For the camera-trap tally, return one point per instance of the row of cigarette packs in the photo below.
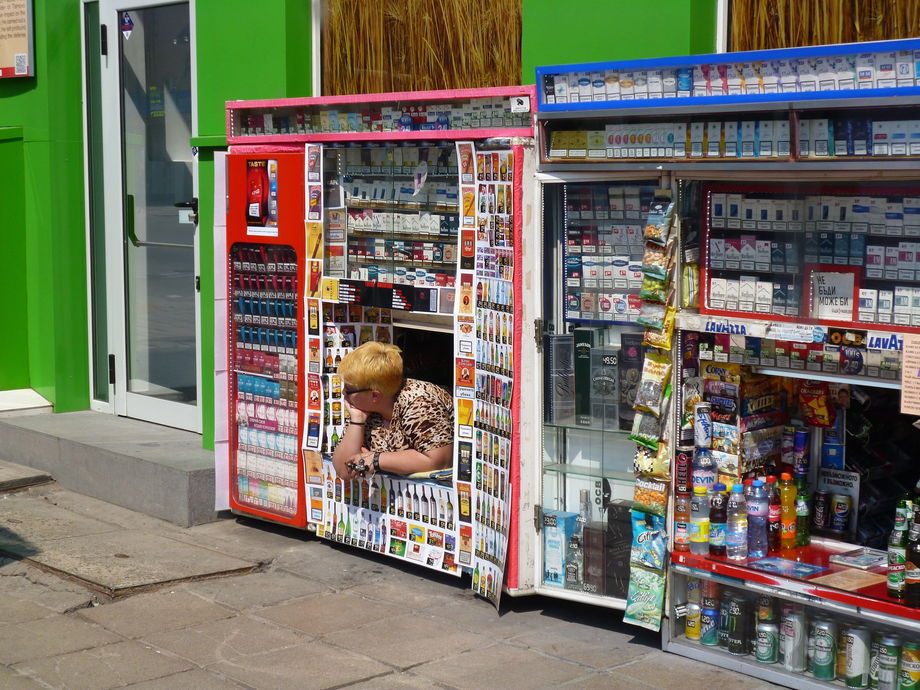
(478, 114)
(858, 137)
(603, 272)
(602, 306)
(403, 159)
(432, 194)
(398, 250)
(875, 215)
(605, 239)
(420, 223)
(599, 202)
(752, 295)
(889, 69)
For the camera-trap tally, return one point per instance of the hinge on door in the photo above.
(112, 370)
(103, 40)
(538, 518)
(538, 327)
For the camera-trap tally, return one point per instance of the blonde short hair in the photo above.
(374, 365)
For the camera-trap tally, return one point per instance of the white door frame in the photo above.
(121, 401)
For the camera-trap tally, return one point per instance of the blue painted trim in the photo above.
(693, 101)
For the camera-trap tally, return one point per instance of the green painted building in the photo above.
(121, 121)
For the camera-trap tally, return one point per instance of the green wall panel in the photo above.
(591, 31)
(206, 296)
(14, 346)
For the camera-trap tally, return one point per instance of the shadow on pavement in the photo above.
(14, 547)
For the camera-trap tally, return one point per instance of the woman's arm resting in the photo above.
(411, 461)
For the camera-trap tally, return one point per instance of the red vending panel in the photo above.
(265, 255)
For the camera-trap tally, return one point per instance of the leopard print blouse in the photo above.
(423, 419)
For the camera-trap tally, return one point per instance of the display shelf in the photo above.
(570, 425)
(405, 172)
(832, 378)
(773, 673)
(370, 260)
(869, 600)
(566, 468)
(380, 205)
(581, 597)
(877, 167)
(452, 239)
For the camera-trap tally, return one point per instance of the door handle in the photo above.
(192, 204)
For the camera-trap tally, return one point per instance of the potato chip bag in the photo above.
(650, 540)
(645, 600)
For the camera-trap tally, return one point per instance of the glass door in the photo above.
(151, 212)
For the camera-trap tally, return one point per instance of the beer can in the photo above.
(683, 469)
(858, 647)
(694, 588)
(909, 672)
(821, 513)
(765, 608)
(810, 647)
(794, 643)
(709, 626)
(738, 621)
(825, 667)
(873, 659)
(710, 595)
(702, 425)
(692, 622)
(889, 657)
(842, 651)
(767, 649)
(841, 506)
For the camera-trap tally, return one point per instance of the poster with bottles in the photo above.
(493, 384)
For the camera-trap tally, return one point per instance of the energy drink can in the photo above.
(683, 469)
(767, 649)
(786, 446)
(702, 425)
(889, 657)
(723, 618)
(825, 667)
(692, 622)
(841, 506)
(821, 514)
(858, 645)
(738, 621)
(710, 595)
(709, 626)
(794, 643)
(909, 673)
(800, 452)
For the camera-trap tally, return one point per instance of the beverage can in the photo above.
(709, 626)
(694, 589)
(794, 643)
(738, 617)
(858, 647)
(825, 665)
(683, 467)
(765, 609)
(810, 648)
(767, 649)
(873, 659)
(889, 657)
(819, 517)
(909, 672)
(842, 651)
(800, 455)
(710, 594)
(692, 623)
(841, 505)
(702, 425)
(723, 618)
(786, 445)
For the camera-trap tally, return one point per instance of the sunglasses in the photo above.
(353, 391)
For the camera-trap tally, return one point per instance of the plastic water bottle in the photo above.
(736, 534)
(758, 508)
(699, 521)
(718, 517)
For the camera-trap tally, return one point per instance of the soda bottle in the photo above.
(699, 521)
(787, 494)
(682, 522)
(912, 563)
(758, 507)
(736, 533)
(774, 515)
(718, 517)
(802, 518)
(897, 560)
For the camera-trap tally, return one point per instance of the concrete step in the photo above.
(13, 476)
(23, 401)
(145, 467)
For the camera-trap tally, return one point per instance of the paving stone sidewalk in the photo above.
(291, 611)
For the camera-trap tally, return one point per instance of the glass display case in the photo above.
(592, 353)
(392, 216)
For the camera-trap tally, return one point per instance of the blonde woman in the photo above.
(396, 425)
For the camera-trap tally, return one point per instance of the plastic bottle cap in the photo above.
(748, 481)
(786, 477)
(757, 483)
(771, 479)
(718, 488)
(737, 488)
(699, 490)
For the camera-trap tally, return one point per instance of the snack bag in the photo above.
(692, 390)
(655, 372)
(652, 315)
(646, 430)
(815, 405)
(645, 600)
(690, 286)
(649, 543)
(658, 222)
(650, 495)
(655, 261)
(654, 289)
(661, 339)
